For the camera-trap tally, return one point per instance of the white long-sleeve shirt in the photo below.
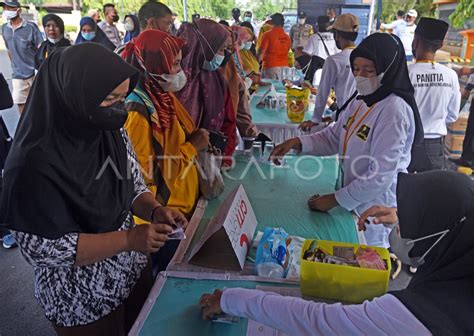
(315, 46)
(379, 149)
(337, 75)
(385, 315)
(398, 27)
(407, 36)
(437, 95)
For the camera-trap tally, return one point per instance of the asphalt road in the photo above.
(20, 314)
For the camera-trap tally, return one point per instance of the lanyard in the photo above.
(426, 61)
(349, 132)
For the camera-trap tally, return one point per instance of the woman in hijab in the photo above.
(91, 33)
(439, 219)
(249, 59)
(132, 26)
(75, 171)
(158, 124)
(206, 95)
(373, 136)
(54, 28)
(309, 65)
(238, 84)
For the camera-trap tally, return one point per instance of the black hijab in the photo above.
(383, 49)
(441, 293)
(54, 180)
(315, 63)
(47, 48)
(100, 37)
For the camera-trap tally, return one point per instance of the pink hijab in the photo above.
(203, 95)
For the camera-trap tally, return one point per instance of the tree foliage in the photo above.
(464, 12)
(207, 8)
(423, 7)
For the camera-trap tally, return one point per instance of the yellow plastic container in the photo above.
(340, 282)
(297, 101)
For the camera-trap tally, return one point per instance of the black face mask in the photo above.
(227, 56)
(110, 118)
(115, 18)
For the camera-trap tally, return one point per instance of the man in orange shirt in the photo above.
(274, 48)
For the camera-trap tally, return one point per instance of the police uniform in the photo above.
(300, 33)
(438, 98)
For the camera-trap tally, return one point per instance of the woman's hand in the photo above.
(282, 149)
(168, 216)
(210, 304)
(322, 203)
(307, 125)
(381, 214)
(199, 139)
(148, 238)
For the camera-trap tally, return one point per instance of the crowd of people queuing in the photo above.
(105, 158)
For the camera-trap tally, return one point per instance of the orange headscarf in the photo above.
(153, 53)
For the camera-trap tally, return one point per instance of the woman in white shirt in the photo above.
(438, 222)
(373, 135)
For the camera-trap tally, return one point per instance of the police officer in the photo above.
(300, 32)
(437, 94)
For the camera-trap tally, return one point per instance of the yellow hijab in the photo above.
(249, 61)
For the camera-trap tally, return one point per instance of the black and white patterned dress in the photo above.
(72, 295)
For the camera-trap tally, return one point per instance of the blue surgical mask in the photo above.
(247, 45)
(88, 36)
(248, 19)
(214, 64)
(216, 61)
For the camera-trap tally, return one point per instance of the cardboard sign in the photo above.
(226, 241)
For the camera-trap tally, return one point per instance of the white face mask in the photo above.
(402, 246)
(54, 40)
(366, 86)
(174, 83)
(248, 45)
(9, 14)
(129, 26)
(301, 21)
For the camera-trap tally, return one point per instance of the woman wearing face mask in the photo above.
(91, 33)
(439, 219)
(159, 126)
(237, 82)
(373, 136)
(74, 169)
(206, 95)
(54, 29)
(132, 26)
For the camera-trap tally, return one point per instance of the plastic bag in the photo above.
(211, 183)
(273, 256)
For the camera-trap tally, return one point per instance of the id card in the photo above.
(177, 233)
